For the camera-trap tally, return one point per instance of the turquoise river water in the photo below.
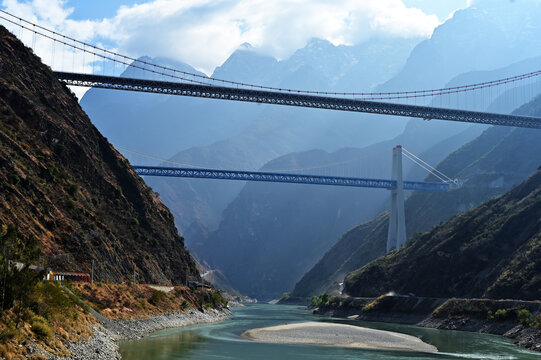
(223, 341)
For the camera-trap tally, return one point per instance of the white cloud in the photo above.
(203, 33)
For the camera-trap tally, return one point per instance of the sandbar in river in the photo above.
(320, 333)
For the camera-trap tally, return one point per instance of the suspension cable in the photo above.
(105, 57)
(428, 170)
(129, 61)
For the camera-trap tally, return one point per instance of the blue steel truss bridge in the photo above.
(397, 186)
(287, 178)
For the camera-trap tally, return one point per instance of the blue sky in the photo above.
(98, 9)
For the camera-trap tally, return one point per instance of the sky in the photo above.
(203, 33)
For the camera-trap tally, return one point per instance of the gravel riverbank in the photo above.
(138, 328)
(102, 346)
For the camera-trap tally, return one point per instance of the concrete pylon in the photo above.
(396, 237)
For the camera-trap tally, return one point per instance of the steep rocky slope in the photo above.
(62, 182)
(488, 166)
(491, 251)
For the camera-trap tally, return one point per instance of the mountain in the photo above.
(432, 141)
(487, 167)
(273, 223)
(489, 34)
(64, 184)
(247, 65)
(350, 68)
(271, 132)
(276, 132)
(266, 227)
(180, 123)
(213, 133)
(491, 251)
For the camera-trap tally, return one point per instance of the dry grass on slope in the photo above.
(129, 301)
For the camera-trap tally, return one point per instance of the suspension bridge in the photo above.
(288, 98)
(348, 102)
(94, 60)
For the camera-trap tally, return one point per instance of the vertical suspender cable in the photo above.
(94, 61)
(34, 40)
(84, 53)
(73, 62)
(52, 55)
(63, 55)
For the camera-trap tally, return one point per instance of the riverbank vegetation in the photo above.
(489, 310)
(46, 314)
(321, 300)
(35, 311)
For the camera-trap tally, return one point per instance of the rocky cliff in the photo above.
(63, 183)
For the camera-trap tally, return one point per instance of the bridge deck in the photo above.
(294, 99)
(286, 178)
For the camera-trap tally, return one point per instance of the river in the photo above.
(223, 341)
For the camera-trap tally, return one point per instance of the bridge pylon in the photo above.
(396, 237)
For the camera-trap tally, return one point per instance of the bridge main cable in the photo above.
(292, 99)
(285, 178)
(191, 77)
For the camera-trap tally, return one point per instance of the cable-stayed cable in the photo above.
(425, 168)
(433, 169)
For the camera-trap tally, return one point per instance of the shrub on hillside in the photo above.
(17, 284)
(218, 299)
(157, 297)
(41, 328)
(321, 300)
